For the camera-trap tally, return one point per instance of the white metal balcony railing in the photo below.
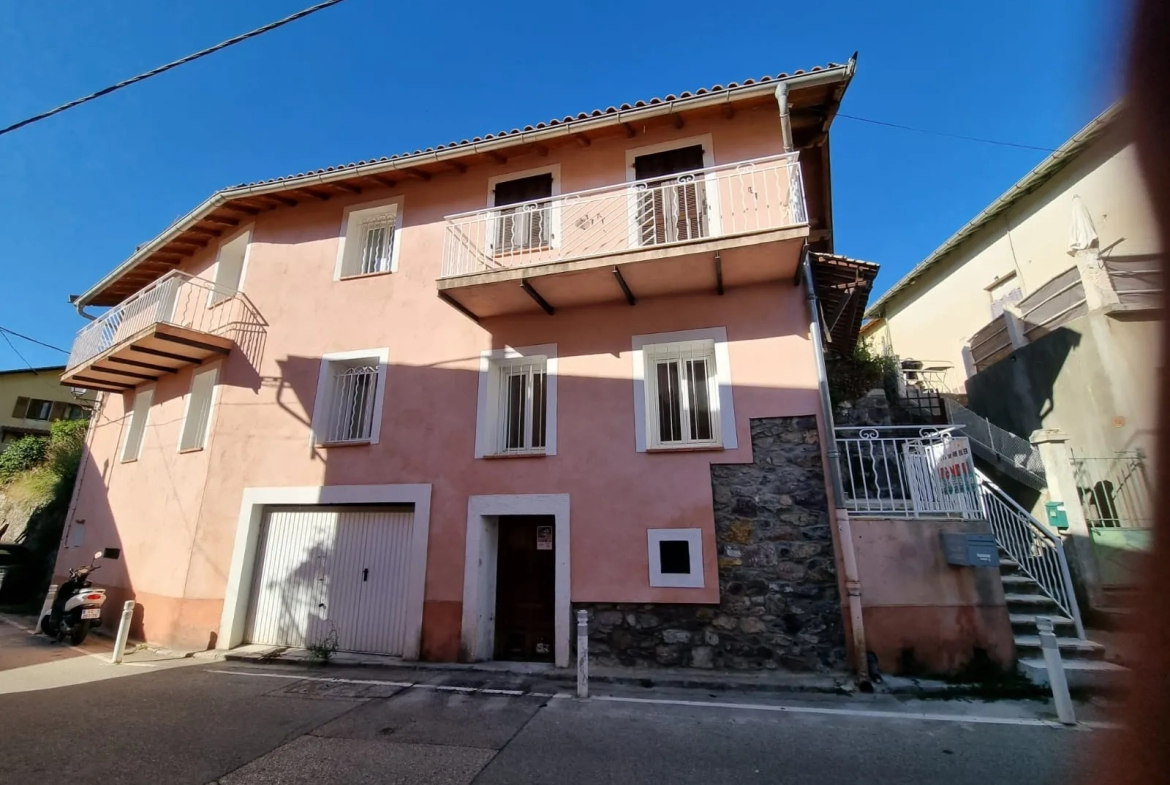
(720, 201)
(908, 471)
(176, 299)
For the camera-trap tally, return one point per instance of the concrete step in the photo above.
(1069, 647)
(1028, 620)
(1080, 674)
(1028, 600)
(1020, 584)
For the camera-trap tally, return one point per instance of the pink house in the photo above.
(431, 405)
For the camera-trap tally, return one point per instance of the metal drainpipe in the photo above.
(840, 515)
(785, 119)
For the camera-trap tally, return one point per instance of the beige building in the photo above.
(31, 398)
(1016, 245)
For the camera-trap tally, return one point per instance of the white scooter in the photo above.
(78, 605)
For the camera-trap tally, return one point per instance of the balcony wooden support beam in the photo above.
(617, 274)
(137, 364)
(188, 243)
(284, 200)
(535, 295)
(458, 306)
(206, 231)
(207, 347)
(222, 220)
(102, 384)
(120, 372)
(183, 358)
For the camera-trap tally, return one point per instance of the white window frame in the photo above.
(487, 403)
(554, 214)
(723, 414)
(352, 217)
(142, 393)
(675, 580)
(710, 182)
(212, 369)
(324, 394)
(218, 293)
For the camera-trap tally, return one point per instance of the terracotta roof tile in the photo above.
(554, 121)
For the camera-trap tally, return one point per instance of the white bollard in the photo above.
(123, 633)
(48, 606)
(1056, 679)
(582, 654)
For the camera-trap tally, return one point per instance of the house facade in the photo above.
(431, 405)
(1042, 315)
(31, 399)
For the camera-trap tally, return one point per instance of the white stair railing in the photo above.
(1037, 549)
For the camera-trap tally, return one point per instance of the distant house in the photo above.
(1044, 312)
(32, 398)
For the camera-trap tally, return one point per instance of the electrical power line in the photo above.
(32, 340)
(942, 133)
(169, 66)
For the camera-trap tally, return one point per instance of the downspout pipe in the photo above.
(837, 487)
(785, 118)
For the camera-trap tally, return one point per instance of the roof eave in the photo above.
(830, 75)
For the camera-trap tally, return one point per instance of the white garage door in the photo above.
(332, 571)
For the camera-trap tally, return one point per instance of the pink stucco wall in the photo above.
(175, 515)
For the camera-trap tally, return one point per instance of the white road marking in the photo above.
(404, 684)
(869, 713)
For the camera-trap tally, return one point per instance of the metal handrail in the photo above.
(1053, 580)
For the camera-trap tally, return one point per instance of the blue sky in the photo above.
(367, 78)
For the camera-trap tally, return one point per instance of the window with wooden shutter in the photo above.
(197, 421)
(136, 428)
(38, 409)
(21, 408)
(229, 268)
(528, 225)
(671, 202)
(369, 245)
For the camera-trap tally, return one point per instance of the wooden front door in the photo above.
(525, 588)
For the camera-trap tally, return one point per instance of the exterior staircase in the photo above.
(1084, 661)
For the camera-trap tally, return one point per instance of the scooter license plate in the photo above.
(91, 613)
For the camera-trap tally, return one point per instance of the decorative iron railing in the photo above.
(719, 201)
(907, 471)
(177, 299)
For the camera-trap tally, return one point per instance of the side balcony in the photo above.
(702, 230)
(175, 322)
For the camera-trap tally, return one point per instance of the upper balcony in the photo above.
(177, 321)
(701, 230)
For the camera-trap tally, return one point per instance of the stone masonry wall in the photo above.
(779, 605)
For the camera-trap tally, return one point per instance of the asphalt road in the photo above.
(209, 722)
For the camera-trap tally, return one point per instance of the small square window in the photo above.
(676, 558)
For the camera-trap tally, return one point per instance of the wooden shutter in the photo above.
(671, 213)
(21, 408)
(523, 228)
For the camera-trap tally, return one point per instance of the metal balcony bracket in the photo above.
(458, 306)
(535, 295)
(617, 273)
